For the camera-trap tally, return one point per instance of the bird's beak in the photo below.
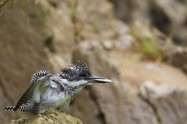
(98, 79)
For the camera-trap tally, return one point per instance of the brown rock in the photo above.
(93, 53)
(31, 40)
(112, 103)
(168, 102)
(178, 57)
(169, 16)
(22, 53)
(117, 103)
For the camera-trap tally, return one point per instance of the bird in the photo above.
(47, 91)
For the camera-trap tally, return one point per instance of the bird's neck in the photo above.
(73, 91)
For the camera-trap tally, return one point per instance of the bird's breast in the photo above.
(53, 98)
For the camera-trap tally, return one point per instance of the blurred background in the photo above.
(140, 44)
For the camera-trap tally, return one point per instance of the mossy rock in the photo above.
(49, 117)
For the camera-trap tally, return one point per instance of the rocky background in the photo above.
(140, 45)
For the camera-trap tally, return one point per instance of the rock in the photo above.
(60, 30)
(94, 54)
(49, 117)
(110, 104)
(153, 91)
(107, 100)
(32, 39)
(124, 42)
(169, 16)
(134, 71)
(129, 11)
(168, 102)
(124, 100)
(59, 20)
(97, 24)
(22, 44)
(178, 57)
(108, 45)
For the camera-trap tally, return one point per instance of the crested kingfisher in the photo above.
(55, 91)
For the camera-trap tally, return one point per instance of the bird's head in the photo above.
(79, 75)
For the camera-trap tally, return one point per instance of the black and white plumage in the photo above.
(76, 71)
(39, 75)
(55, 91)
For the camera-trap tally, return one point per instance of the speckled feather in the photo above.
(75, 71)
(39, 75)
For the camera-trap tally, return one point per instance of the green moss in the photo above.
(96, 25)
(149, 48)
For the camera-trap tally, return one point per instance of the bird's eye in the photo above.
(83, 75)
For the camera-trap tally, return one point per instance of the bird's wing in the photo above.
(39, 76)
(37, 80)
(25, 99)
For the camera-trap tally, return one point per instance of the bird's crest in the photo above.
(76, 71)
